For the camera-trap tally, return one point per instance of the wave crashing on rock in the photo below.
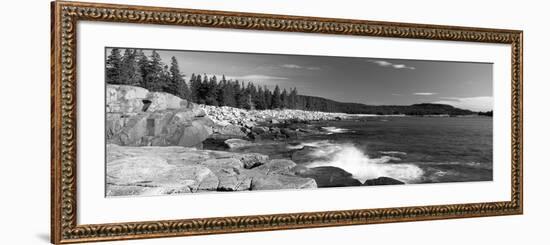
(354, 161)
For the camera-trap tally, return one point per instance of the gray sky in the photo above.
(374, 81)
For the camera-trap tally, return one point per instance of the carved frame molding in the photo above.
(66, 15)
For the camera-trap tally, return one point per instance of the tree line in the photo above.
(134, 68)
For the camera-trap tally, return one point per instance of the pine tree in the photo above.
(308, 105)
(194, 85)
(228, 92)
(142, 64)
(293, 99)
(259, 99)
(176, 84)
(211, 87)
(113, 66)
(203, 87)
(243, 100)
(156, 72)
(252, 94)
(154, 80)
(276, 98)
(268, 97)
(237, 93)
(198, 90)
(184, 90)
(220, 98)
(284, 99)
(164, 80)
(130, 73)
(125, 67)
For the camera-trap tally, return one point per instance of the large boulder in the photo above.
(153, 170)
(152, 175)
(161, 128)
(182, 116)
(194, 134)
(276, 166)
(229, 173)
(125, 98)
(135, 127)
(135, 170)
(137, 117)
(229, 130)
(162, 101)
(383, 181)
(328, 176)
(114, 123)
(176, 155)
(251, 160)
(186, 130)
(277, 182)
(220, 163)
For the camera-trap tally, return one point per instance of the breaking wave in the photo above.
(335, 130)
(356, 162)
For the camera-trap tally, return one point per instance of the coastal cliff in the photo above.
(137, 117)
(156, 145)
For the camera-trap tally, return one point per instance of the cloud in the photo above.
(294, 66)
(424, 93)
(401, 66)
(384, 63)
(291, 66)
(381, 63)
(313, 68)
(480, 103)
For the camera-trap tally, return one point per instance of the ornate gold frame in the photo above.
(65, 16)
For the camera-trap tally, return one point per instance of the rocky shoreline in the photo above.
(156, 146)
(176, 170)
(249, 118)
(239, 127)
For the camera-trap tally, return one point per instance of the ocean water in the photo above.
(410, 149)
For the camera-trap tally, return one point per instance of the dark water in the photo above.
(410, 149)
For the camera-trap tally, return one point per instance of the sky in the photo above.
(371, 81)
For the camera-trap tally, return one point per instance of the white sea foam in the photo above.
(393, 152)
(294, 147)
(335, 130)
(467, 164)
(354, 161)
(319, 143)
(383, 159)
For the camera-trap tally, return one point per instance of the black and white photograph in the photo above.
(275, 122)
(184, 121)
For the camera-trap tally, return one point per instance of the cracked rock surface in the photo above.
(153, 170)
